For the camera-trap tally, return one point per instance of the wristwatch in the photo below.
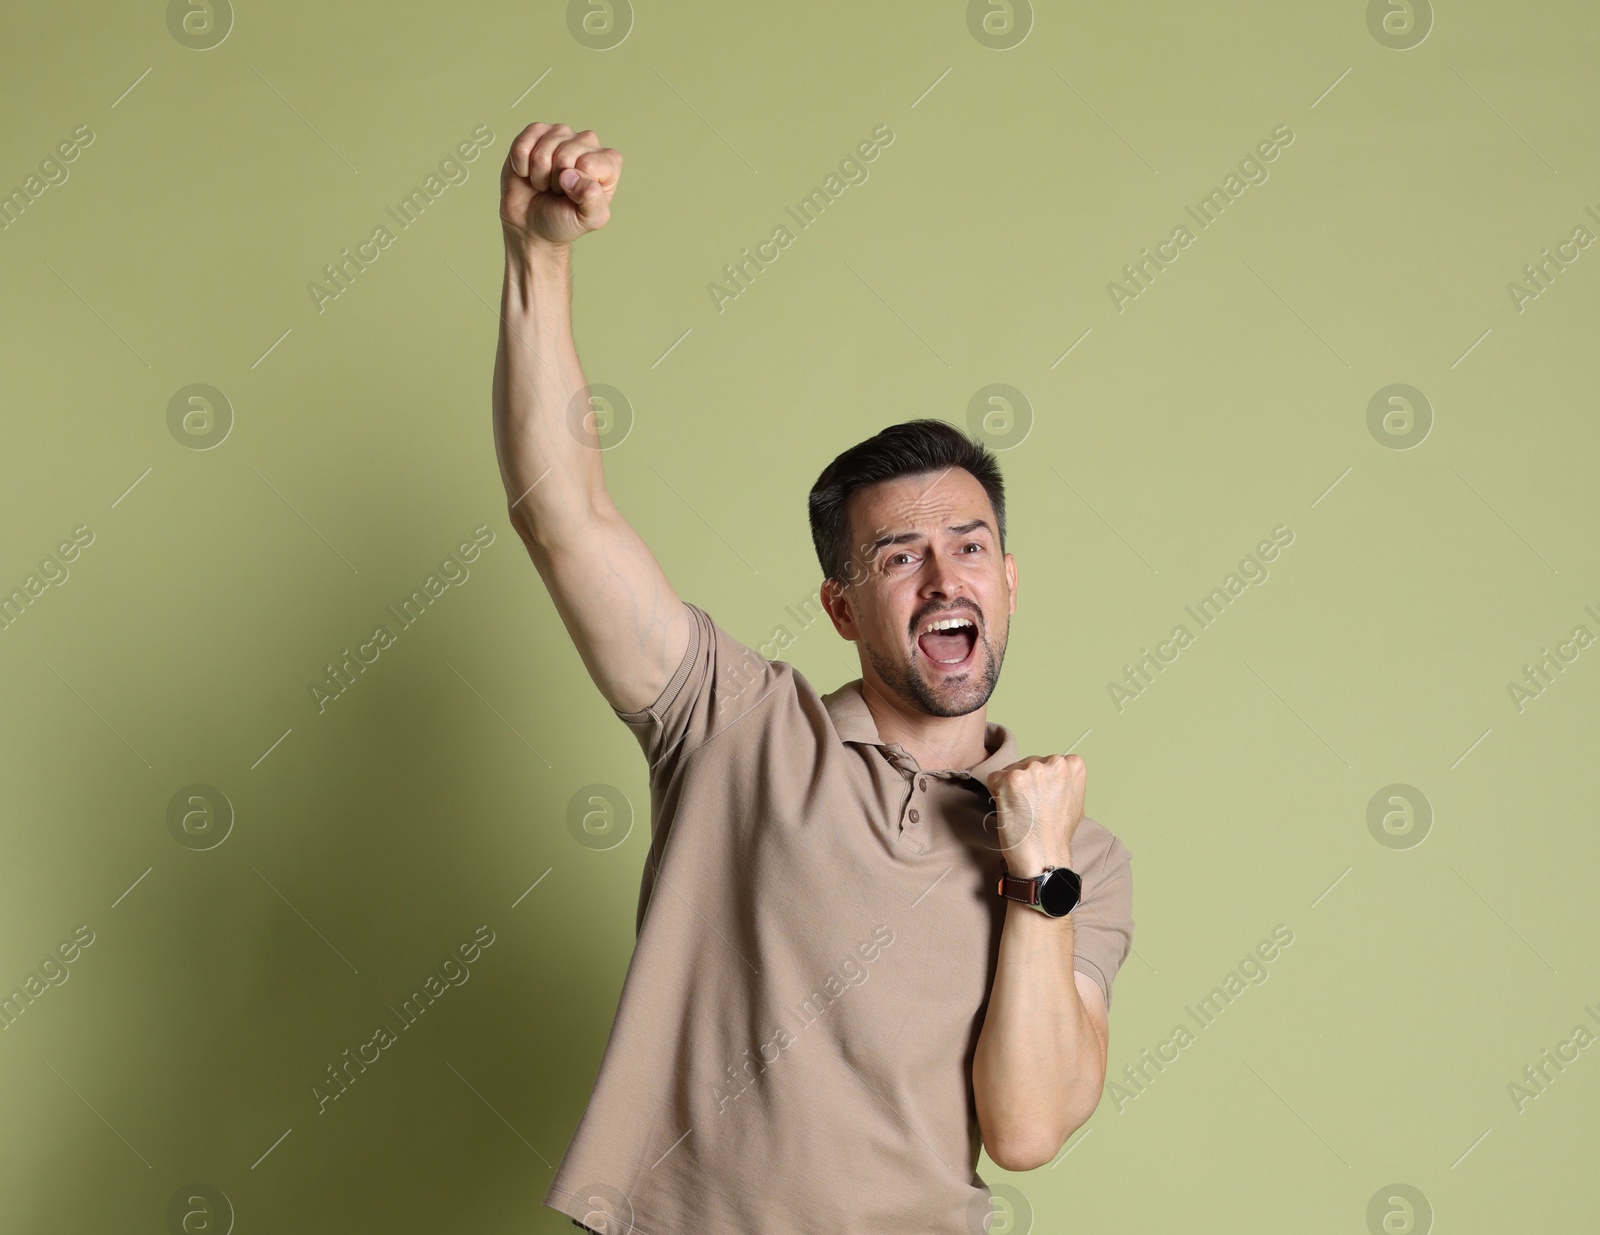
(1054, 892)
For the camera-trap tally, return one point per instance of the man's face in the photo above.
(926, 549)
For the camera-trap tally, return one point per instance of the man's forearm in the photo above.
(551, 475)
(1039, 1067)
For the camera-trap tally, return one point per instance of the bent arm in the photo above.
(1040, 1064)
(628, 624)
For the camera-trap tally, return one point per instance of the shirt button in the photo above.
(914, 816)
(923, 784)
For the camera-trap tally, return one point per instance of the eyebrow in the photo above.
(901, 538)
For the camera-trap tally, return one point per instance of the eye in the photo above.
(972, 544)
(895, 558)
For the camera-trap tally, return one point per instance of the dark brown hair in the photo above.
(907, 449)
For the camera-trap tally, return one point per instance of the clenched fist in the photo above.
(1040, 803)
(556, 185)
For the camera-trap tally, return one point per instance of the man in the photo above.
(803, 845)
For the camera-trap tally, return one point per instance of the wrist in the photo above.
(1020, 912)
(532, 259)
(538, 281)
(1025, 864)
(1056, 893)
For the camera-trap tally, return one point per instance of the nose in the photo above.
(942, 584)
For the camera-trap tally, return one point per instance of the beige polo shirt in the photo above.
(817, 934)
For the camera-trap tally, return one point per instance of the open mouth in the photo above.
(949, 641)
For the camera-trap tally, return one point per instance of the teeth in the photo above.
(946, 624)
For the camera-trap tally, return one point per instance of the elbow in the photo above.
(549, 526)
(1027, 1149)
(1019, 1157)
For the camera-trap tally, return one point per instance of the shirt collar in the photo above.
(852, 721)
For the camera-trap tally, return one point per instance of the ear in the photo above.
(836, 600)
(1011, 581)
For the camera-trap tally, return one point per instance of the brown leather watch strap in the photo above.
(1015, 887)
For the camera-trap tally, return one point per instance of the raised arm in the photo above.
(630, 627)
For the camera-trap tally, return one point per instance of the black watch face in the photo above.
(1059, 892)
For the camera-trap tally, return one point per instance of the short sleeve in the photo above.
(719, 682)
(1102, 931)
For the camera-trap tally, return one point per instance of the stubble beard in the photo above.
(908, 682)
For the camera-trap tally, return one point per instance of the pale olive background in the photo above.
(1166, 441)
